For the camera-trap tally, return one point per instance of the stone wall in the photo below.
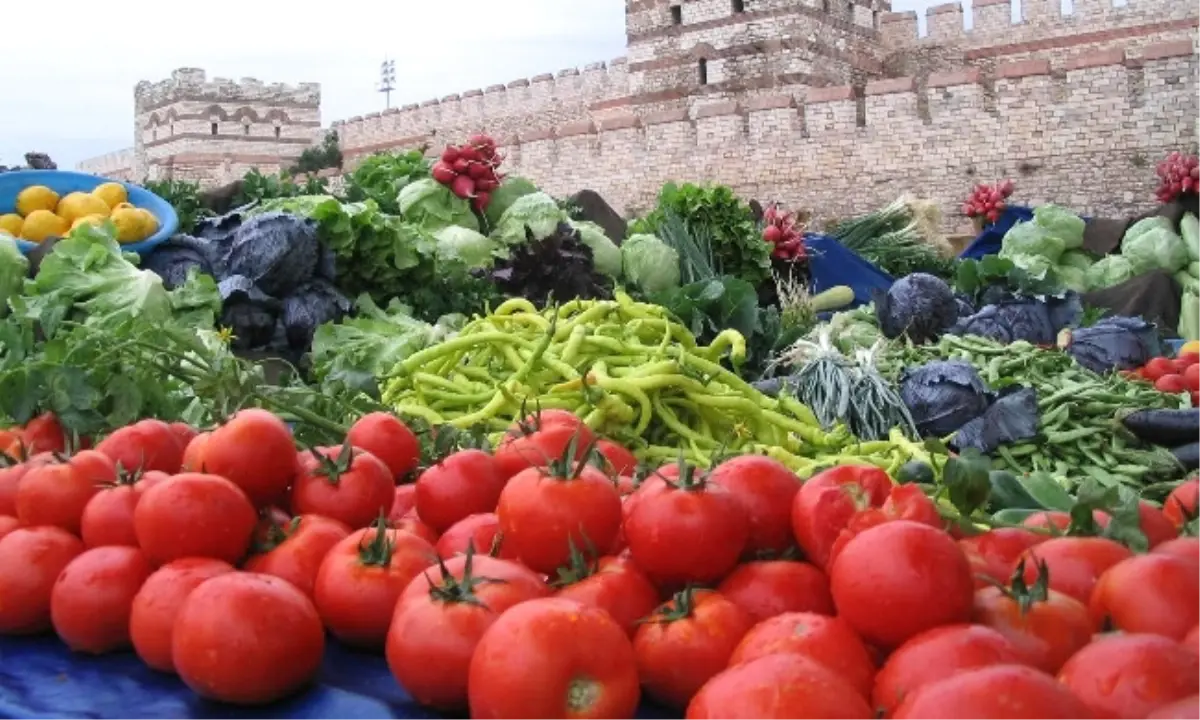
(117, 165)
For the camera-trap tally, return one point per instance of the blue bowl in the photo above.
(65, 181)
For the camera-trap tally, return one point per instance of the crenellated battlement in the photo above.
(192, 84)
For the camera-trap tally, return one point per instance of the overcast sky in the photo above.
(71, 94)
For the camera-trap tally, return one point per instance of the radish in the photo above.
(469, 154)
(442, 173)
(450, 154)
(463, 186)
(482, 200)
(481, 140)
(478, 171)
(460, 165)
(486, 185)
(772, 234)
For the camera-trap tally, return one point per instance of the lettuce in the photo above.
(1155, 249)
(1076, 259)
(431, 206)
(458, 244)
(649, 263)
(511, 190)
(13, 267)
(606, 256)
(1109, 271)
(1189, 230)
(536, 212)
(1061, 223)
(1029, 238)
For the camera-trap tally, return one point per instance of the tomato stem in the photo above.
(1025, 595)
(680, 607)
(455, 590)
(579, 565)
(379, 551)
(582, 694)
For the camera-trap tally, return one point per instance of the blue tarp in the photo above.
(831, 264)
(988, 241)
(40, 678)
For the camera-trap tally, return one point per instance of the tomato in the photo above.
(193, 453)
(1075, 563)
(10, 480)
(993, 554)
(56, 494)
(247, 638)
(92, 598)
(108, 517)
(1130, 676)
(921, 571)
(294, 551)
(1192, 640)
(1155, 524)
(785, 685)
(1046, 630)
(687, 530)
(144, 445)
(618, 460)
(552, 657)
(1191, 377)
(938, 653)
(1188, 707)
(767, 588)
(361, 579)
(494, 570)
(194, 515)
(32, 559)
(765, 488)
(1154, 593)
(8, 523)
(614, 585)
(346, 484)
(996, 691)
(157, 603)
(405, 499)
(1187, 548)
(1180, 507)
(826, 502)
(465, 483)
(903, 502)
(828, 640)
(255, 451)
(542, 420)
(481, 530)
(1058, 521)
(184, 433)
(543, 510)
(387, 438)
(411, 523)
(436, 629)
(543, 447)
(1157, 368)
(43, 434)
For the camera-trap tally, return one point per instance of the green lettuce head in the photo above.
(430, 205)
(606, 256)
(649, 263)
(537, 211)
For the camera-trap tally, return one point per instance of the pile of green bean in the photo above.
(632, 373)
(1080, 433)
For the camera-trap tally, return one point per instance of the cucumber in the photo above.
(835, 298)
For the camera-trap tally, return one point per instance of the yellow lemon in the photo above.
(78, 204)
(1192, 346)
(42, 224)
(112, 193)
(149, 222)
(123, 206)
(129, 224)
(11, 223)
(36, 197)
(88, 220)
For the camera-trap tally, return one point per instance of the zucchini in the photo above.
(1168, 428)
(1188, 455)
(835, 298)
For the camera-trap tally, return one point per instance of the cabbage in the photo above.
(431, 206)
(459, 244)
(1076, 259)
(649, 263)
(1189, 229)
(1060, 223)
(1145, 225)
(1037, 266)
(1109, 271)
(1028, 238)
(537, 212)
(920, 306)
(1154, 249)
(606, 256)
(504, 196)
(1072, 278)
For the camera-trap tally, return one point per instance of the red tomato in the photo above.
(1171, 384)
(786, 685)
(1154, 593)
(43, 434)
(405, 499)
(411, 523)
(767, 588)
(144, 445)
(1180, 507)
(1155, 524)
(436, 627)
(465, 483)
(184, 433)
(1191, 377)
(56, 494)
(541, 448)
(1157, 368)
(687, 531)
(387, 438)
(194, 515)
(552, 657)
(1187, 548)
(1074, 563)
(542, 420)
(618, 460)
(193, 453)
(996, 691)
(8, 523)
(904, 502)
(826, 502)
(993, 554)
(294, 551)
(10, 480)
(765, 488)
(614, 585)
(542, 511)
(1192, 640)
(247, 638)
(92, 598)
(493, 569)
(1188, 707)
(1187, 359)
(936, 654)
(269, 520)
(1059, 521)
(361, 579)
(108, 517)
(1046, 632)
(255, 451)
(482, 530)
(828, 640)
(1130, 676)
(344, 483)
(156, 605)
(32, 559)
(920, 570)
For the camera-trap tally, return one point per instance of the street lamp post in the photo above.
(387, 80)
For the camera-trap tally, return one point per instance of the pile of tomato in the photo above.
(1175, 375)
(545, 579)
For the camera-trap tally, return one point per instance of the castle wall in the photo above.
(118, 165)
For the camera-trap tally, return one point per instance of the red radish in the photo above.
(463, 186)
(450, 154)
(772, 234)
(460, 165)
(478, 171)
(486, 185)
(469, 154)
(442, 173)
(1171, 384)
(482, 200)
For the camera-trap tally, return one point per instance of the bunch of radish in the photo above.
(1177, 174)
(987, 201)
(784, 234)
(470, 170)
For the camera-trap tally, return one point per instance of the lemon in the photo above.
(149, 222)
(11, 223)
(88, 220)
(1188, 347)
(112, 193)
(129, 224)
(36, 197)
(42, 224)
(123, 206)
(78, 204)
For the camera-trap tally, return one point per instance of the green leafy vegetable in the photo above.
(1109, 271)
(605, 254)
(13, 267)
(1060, 223)
(459, 245)
(649, 263)
(1157, 248)
(537, 211)
(431, 206)
(382, 176)
(502, 199)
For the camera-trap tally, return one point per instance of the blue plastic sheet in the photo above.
(988, 241)
(831, 264)
(41, 678)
